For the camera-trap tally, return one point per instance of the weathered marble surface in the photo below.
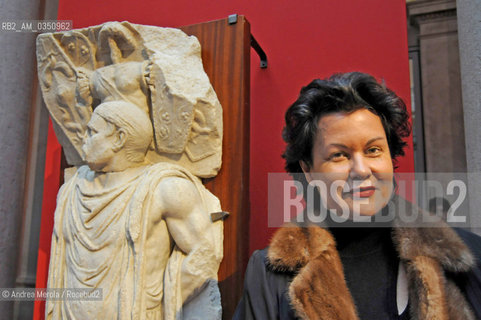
(138, 118)
(158, 69)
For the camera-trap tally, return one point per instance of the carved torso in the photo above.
(98, 228)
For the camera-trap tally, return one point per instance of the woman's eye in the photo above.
(374, 151)
(337, 156)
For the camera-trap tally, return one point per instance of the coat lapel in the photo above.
(427, 253)
(313, 294)
(319, 290)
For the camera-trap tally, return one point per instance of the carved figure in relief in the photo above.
(138, 118)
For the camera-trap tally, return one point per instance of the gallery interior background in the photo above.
(303, 40)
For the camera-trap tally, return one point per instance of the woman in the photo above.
(344, 134)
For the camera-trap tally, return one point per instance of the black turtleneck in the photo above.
(370, 265)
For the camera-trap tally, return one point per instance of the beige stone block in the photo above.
(138, 118)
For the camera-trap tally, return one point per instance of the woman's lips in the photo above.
(363, 192)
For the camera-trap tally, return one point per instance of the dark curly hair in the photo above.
(344, 92)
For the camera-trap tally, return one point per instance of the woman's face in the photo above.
(351, 157)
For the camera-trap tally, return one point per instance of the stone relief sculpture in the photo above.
(137, 116)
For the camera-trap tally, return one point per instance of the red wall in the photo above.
(303, 39)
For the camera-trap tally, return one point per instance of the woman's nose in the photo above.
(360, 169)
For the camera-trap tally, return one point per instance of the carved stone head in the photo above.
(118, 136)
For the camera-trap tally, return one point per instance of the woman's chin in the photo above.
(357, 213)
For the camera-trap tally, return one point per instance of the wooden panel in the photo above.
(226, 58)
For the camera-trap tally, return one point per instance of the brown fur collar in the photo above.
(319, 291)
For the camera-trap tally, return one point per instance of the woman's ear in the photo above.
(306, 170)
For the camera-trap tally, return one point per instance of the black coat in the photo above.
(268, 293)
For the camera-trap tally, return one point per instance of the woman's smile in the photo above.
(363, 192)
